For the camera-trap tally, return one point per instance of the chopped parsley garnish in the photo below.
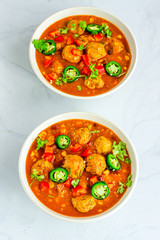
(75, 182)
(96, 131)
(40, 143)
(128, 160)
(63, 30)
(76, 35)
(92, 157)
(73, 27)
(127, 184)
(119, 150)
(50, 196)
(79, 88)
(40, 45)
(106, 30)
(83, 25)
(81, 47)
(88, 126)
(35, 176)
(94, 72)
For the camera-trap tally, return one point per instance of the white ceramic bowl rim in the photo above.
(84, 11)
(86, 116)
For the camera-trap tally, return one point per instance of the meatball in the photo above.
(84, 203)
(96, 164)
(85, 39)
(57, 67)
(75, 165)
(42, 167)
(114, 46)
(81, 135)
(67, 55)
(73, 25)
(103, 145)
(93, 83)
(95, 51)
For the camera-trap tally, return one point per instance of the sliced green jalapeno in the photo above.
(100, 190)
(59, 175)
(113, 163)
(94, 28)
(62, 141)
(51, 48)
(71, 73)
(113, 68)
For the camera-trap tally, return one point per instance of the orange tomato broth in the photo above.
(62, 204)
(123, 58)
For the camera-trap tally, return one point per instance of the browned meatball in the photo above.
(73, 25)
(95, 164)
(57, 67)
(95, 51)
(85, 39)
(67, 54)
(103, 145)
(42, 167)
(93, 83)
(75, 165)
(81, 135)
(114, 45)
(84, 203)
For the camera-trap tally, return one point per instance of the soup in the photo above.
(78, 168)
(83, 55)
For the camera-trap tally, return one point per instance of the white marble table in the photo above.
(25, 102)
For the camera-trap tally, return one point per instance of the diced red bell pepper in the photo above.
(48, 156)
(75, 52)
(78, 42)
(86, 71)
(54, 33)
(100, 69)
(44, 186)
(68, 183)
(98, 37)
(86, 59)
(59, 39)
(52, 76)
(86, 152)
(78, 190)
(58, 134)
(93, 180)
(70, 40)
(76, 147)
(48, 60)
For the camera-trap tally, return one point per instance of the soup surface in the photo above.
(95, 51)
(78, 168)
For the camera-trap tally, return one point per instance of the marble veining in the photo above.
(25, 102)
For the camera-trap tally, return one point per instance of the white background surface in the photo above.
(25, 102)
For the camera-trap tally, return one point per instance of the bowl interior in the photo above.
(83, 11)
(67, 116)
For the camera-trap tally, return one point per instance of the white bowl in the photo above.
(87, 116)
(84, 11)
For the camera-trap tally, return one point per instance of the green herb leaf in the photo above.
(128, 160)
(96, 131)
(75, 182)
(81, 47)
(76, 35)
(79, 88)
(83, 25)
(63, 30)
(35, 176)
(119, 150)
(88, 126)
(40, 45)
(94, 72)
(40, 143)
(106, 30)
(127, 184)
(73, 27)
(92, 157)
